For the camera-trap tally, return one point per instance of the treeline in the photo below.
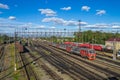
(5, 39)
(95, 37)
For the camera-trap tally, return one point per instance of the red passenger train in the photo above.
(74, 48)
(84, 52)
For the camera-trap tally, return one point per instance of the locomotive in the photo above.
(84, 52)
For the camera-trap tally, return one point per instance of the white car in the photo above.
(118, 54)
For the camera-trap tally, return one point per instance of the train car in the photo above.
(53, 44)
(85, 45)
(68, 48)
(62, 46)
(96, 47)
(58, 45)
(84, 52)
(109, 49)
(68, 43)
(19, 47)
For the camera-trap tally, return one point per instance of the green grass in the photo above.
(12, 52)
(16, 76)
(47, 52)
(34, 52)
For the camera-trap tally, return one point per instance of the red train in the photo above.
(84, 52)
(74, 48)
(97, 47)
(92, 46)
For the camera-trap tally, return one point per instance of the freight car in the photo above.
(19, 47)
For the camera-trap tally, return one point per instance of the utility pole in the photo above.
(15, 51)
(64, 35)
(114, 49)
(79, 30)
(79, 25)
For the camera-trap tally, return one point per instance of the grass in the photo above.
(12, 51)
(47, 52)
(16, 74)
(34, 52)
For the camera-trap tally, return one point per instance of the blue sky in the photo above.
(59, 14)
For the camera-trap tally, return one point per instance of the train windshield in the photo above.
(91, 51)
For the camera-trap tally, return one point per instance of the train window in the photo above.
(77, 49)
(91, 51)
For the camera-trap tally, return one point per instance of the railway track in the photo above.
(67, 65)
(105, 70)
(2, 59)
(106, 59)
(21, 68)
(106, 54)
(31, 75)
(53, 75)
(98, 56)
(62, 66)
(1, 51)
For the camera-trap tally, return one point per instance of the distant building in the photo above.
(109, 43)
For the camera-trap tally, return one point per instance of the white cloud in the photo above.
(60, 21)
(47, 12)
(10, 25)
(31, 25)
(52, 27)
(100, 12)
(116, 27)
(4, 6)
(54, 19)
(85, 8)
(5, 23)
(40, 26)
(66, 8)
(98, 25)
(12, 17)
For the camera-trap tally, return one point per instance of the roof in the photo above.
(114, 39)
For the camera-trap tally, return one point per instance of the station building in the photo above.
(110, 43)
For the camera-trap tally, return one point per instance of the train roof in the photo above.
(114, 39)
(85, 48)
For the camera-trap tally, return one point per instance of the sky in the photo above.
(61, 14)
